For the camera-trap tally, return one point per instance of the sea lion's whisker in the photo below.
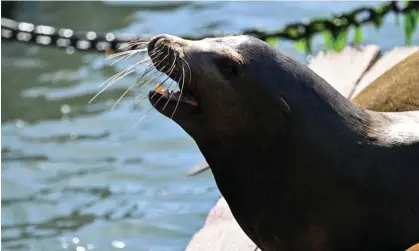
(172, 67)
(151, 69)
(170, 97)
(128, 44)
(132, 44)
(123, 53)
(153, 55)
(139, 41)
(181, 89)
(132, 69)
(142, 117)
(150, 81)
(115, 78)
(130, 88)
(168, 88)
(170, 72)
(122, 74)
(142, 40)
(126, 91)
(136, 52)
(162, 70)
(162, 60)
(156, 50)
(159, 74)
(123, 94)
(148, 70)
(144, 83)
(128, 56)
(190, 72)
(117, 75)
(140, 82)
(127, 51)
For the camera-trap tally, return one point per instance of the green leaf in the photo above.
(328, 40)
(397, 20)
(341, 40)
(293, 31)
(308, 45)
(300, 45)
(358, 35)
(410, 23)
(378, 22)
(272, 41)
(377, 16)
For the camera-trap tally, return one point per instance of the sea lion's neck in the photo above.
(317, 109)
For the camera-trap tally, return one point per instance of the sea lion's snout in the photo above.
(167, 55)
(166, 40)
(166, 52)
(153, 42)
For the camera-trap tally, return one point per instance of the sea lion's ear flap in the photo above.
(284, 106)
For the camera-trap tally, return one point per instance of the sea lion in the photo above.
(325, 173)
(396, 90)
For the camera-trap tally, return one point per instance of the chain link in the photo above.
(298, 31)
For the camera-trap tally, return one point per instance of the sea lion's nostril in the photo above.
(152, 44)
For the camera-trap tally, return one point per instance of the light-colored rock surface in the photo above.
(390, 59)
(343, 70)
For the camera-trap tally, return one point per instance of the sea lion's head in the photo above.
(227, 85)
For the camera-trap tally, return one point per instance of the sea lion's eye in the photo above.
(228, 67)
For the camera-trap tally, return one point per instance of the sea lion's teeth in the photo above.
(165, 93)
(158, 88)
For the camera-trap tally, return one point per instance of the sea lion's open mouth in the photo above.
(173, 104)
(173, 96)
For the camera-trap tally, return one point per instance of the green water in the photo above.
(79, 176)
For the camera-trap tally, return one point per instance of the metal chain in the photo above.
(91, 41)
(63, 38)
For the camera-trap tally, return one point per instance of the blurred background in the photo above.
(78, 176)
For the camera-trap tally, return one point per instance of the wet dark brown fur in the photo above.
(301, 167)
